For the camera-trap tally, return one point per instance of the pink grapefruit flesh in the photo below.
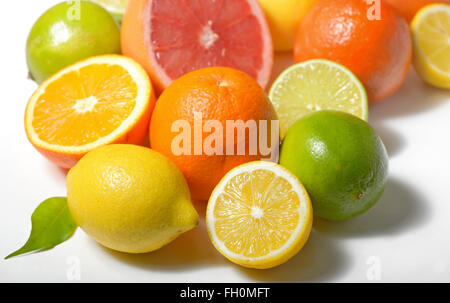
(179, 36)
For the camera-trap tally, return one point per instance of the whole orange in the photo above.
(198, 105)
(409, 8)
(376, 47)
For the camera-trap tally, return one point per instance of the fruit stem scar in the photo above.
(208, 37)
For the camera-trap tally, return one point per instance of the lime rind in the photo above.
(317, 85)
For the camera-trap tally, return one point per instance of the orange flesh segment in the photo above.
(257, 213)
(85, 105)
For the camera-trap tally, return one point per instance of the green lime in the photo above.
(341, 161)
(69, 32)
(117, 8)
(317, 85)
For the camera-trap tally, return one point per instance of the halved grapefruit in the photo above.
(173, 37)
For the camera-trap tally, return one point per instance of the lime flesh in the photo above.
(67, 33)
(316, 85)
(341, 161)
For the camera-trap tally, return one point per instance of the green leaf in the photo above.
(52, 223)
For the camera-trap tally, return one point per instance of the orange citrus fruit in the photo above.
(98, 101)
(409, 8)
(378, 52)
(217, 94)
(172, 38)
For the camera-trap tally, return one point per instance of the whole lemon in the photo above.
(130, 198)
(284, 17)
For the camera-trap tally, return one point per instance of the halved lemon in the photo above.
(98, 101)
(316, 85)
(259, 216)
(431, 36)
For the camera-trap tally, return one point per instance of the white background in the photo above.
(406, 235)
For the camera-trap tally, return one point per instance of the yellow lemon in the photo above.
(130, 198)
(259, 216)
(431, 36)
(284, 17)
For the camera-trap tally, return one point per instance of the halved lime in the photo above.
(317, 85)
(115, 7)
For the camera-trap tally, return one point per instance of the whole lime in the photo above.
(341, 161)
(69, 32)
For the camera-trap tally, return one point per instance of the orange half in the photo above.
(101, 100)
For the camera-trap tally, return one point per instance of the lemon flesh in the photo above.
(130, 198)
(431, 38)
(317, 85)
(259, 216)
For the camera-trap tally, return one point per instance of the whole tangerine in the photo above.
(212, 98)
(375, 45)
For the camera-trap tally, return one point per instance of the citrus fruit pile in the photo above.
(152, 104)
